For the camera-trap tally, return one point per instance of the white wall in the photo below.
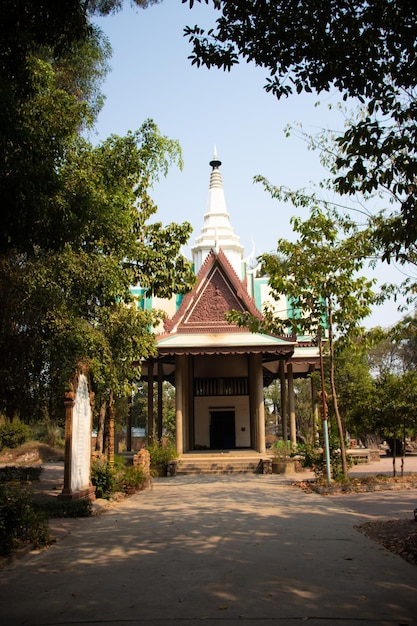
(238, 404)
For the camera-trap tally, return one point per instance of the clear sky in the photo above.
(152, 77)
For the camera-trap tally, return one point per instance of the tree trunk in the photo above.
(334, 395)
(110, 430)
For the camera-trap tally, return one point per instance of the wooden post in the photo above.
(179, 402)
(150, 403)
(283, 401)
(160, 398)
(129, 424)
(315, 411)
(291, 406)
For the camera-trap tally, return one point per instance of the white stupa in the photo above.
(217, 231)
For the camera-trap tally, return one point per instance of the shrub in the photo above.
(20, 473)
(20, 523)
(103, 477)
(13, 434)
(281, 450)
(49, 433)
(161, 453)
(315, 459)
(132, 479)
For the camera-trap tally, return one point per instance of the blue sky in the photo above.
(152, 77)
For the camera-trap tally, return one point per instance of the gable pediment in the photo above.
(215, 298)
(218, 290)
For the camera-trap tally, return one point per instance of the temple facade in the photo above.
(220, 370)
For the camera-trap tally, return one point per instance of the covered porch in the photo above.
(219, 381)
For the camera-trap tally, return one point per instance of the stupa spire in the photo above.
(217, 231)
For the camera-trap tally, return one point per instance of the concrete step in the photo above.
(218, 465)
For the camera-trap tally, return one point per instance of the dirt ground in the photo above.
(398, 536)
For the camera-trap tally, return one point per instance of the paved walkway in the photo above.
(233, 550)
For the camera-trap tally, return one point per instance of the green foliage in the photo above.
(132, 479)
(74, 233)
(367, 52)
(314, 458)
(23, 518)
(20, 523)
(13, 435)
(395, 404)
(19, 473)
(161, 453)
(48, 433)
(356, 386)
(110, 479)
(304, 45)
(281, 450)
(103, 477)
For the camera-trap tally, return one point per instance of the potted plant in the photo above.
(282, 460)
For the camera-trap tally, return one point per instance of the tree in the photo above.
(318, 273)
(395, 414)
(363, 50)
(356, 387)
(52, 63)
(76, 223)
(72, 300)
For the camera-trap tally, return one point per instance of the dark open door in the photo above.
(222, 430)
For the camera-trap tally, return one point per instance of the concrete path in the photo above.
(234, 550)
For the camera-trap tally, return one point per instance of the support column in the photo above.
(160, 398)
(258, 401)
(291, 406)
(283, 401)
(315, 411)
(150, 423)
(179, 402)
(129, 423)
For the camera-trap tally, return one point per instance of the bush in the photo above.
(108, 480)
(20, 523)
(161, 453)
(132, 479)
(281, 450)
(13, 434)
(48, 432)
(20, 474)
(103, 477)
(315, 459)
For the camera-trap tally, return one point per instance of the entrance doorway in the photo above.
(222, 430)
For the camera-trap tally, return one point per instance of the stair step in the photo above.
(218, 465)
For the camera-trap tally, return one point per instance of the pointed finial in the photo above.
(215, 163)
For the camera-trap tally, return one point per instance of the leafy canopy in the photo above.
(365, 50)
(77, 221)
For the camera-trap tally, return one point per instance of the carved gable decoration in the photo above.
(212, 303)
(218, 290)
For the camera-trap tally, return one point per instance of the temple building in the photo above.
(220, 370)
